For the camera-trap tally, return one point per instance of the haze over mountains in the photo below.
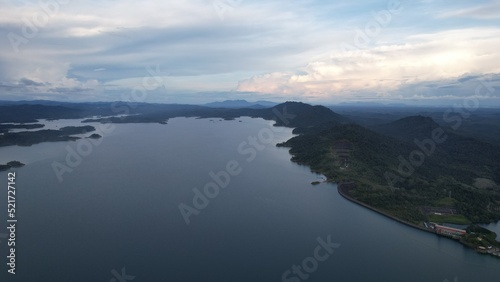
(241, 104)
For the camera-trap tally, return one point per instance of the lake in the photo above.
(116, 215)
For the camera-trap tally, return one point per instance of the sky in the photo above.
(420, 52)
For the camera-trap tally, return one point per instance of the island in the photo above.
(11, 164)
(28, 138)
(95, 136)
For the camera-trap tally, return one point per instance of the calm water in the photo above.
(120, 209)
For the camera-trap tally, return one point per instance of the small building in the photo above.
(449, 231)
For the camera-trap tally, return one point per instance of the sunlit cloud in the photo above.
(268, 49)
(384, 69)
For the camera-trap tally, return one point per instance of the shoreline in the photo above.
(344, 192)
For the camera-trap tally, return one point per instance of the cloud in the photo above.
(186, 38)
(29, 82)
(278, 49)
(388, 69)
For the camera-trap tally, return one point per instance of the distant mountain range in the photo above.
(368, 105)
(238, 104)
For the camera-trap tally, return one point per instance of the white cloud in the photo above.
(384, 69)
(276, 48)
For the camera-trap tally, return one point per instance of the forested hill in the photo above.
(404, 168)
